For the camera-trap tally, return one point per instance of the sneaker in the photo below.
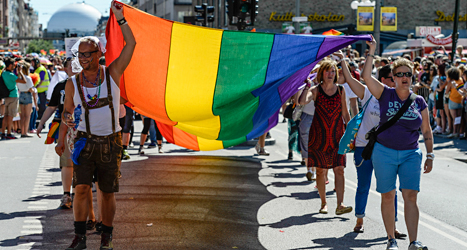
(126, 156)
(25, 136)
(65, 202)
(303, 163)
(10, 137)
(79, 242)
(257, 148)
(290, 156)
(140, 151)
(437, 130)
(263, 152)
(2, 137)
(417, 245)
(268, 136)
(152, 145)
(99, 227)
(160, 150)
(91, 225)
(284, 121)
(106, 241)
(453, 135)
(392, 245)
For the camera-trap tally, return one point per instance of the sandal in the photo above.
(343, 210)
(324, 208)
(358, 229)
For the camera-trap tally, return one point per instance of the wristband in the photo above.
(372, 55)
(121, 21)
(430, 156)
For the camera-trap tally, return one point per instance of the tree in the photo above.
(38, 45)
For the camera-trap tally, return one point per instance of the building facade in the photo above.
(174, 10)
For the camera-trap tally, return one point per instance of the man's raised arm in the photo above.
(118, 66)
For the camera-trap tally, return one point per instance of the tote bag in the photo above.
(347, 142)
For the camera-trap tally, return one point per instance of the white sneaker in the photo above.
(257, 147)
(453, 135)
(437, 130)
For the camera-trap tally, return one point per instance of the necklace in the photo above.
(97, 78)
(91, 98)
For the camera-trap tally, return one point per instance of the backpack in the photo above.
(4, 91)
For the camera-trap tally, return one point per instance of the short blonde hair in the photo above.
(400, 63)
(324, 66)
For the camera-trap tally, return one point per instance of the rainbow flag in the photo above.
(460, 86)
(333, 32)
(464, 61)
(52, 135)
(210, 89)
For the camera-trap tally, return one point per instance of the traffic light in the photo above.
(242, 12)
(203, 13)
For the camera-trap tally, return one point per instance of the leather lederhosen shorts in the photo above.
(100, 155)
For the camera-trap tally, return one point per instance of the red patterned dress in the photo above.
(326, 131)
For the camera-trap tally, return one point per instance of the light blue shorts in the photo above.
(390, 163)
(454, 105)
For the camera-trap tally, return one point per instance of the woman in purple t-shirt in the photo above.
(396, 152)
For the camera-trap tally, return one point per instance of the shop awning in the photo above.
(399, 51)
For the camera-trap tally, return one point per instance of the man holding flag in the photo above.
(98, 143)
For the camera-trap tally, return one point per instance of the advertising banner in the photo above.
(388, 19)
(365, 18)
(288, 28)
(305, 28)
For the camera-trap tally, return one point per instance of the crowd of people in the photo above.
(344, 83)
(96, 129)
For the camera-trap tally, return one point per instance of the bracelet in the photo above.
(121, 21)
(372, 55)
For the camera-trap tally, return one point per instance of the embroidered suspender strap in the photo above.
(85, 105)
(109, 97)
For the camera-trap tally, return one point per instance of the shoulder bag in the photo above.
(374, 132)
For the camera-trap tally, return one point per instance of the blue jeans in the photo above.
(32, 121)
(364, 173)
(154, 133)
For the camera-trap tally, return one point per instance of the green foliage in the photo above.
(38, 45)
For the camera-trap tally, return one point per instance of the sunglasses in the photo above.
(85, 54)
(401, 74)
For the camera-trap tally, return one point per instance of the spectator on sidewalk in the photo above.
(98, 143)
(11, 102)
(42, 86)
(326, 131)
(396, 152)
(25, 100)
(455, 99)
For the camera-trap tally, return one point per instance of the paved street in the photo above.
(227, 199)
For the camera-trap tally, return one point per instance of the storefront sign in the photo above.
(449, 18)
(439, 41)
(365, 18)
(274, 17)
(427, 30)
(388, 19)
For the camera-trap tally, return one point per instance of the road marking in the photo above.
(34, 225)
(425, 216)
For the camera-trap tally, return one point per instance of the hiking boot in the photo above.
(91, 225)
(65, 202)
(392, 245)
(79, 242)
(417, 245)
(106, 242)
(126, 156)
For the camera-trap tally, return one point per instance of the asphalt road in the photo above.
(226, 199)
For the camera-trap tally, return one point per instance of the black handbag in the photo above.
(289, 111)
(374, 132)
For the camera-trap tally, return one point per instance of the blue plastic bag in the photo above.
(79, 145)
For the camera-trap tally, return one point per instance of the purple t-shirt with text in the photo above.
(403, 135)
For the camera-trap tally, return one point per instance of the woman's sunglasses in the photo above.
(401, 74)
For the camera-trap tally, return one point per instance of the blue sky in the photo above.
(47, 8)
